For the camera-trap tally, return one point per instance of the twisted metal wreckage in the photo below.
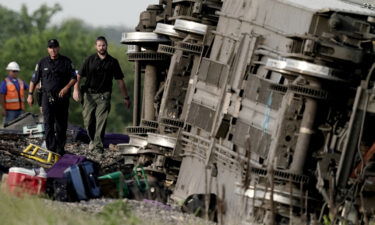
(257, 111)
(265, 106)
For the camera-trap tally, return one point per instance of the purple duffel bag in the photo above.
(67, 160)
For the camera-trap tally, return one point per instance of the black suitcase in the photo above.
(73, 174)
(60, 189)
(59, 185)
(83, 178)
(89, 172)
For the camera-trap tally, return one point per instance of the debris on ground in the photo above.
(148, 211)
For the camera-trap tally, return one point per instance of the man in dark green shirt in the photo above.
(99, 70)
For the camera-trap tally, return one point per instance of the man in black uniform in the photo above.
(57, 76)
(99, 70)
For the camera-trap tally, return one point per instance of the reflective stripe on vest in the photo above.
(14, 100)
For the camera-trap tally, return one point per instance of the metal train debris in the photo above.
(267, 105)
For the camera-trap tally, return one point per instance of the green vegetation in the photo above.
(23, 38)
(34, 211)
(115, 213)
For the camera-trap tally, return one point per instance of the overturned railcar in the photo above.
(267, 105)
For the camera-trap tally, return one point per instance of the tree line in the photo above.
(23, 38)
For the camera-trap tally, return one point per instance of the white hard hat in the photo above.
(13, 66)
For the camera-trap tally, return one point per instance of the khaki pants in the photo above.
(96, 108)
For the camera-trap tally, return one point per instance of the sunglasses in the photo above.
(15, 71)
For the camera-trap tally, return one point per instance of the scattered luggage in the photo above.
(83, 177)
(73, 174)
(60, 189)
(67, 160)
(73, 178)
(89, 173)
(31, 181)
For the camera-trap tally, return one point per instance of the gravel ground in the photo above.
(12, 144)
(110, 160)
(147, 211)
(10, 147)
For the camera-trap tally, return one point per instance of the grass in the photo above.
(34, 211)
(114, 213)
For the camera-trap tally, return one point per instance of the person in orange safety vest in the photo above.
(12, 95)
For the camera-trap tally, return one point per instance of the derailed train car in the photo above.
(266, 108)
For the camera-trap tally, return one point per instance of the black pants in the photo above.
(55, 122)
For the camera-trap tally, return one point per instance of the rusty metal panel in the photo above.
(258, 90)
(211, 72)
(175, 91)
(200, 116)
(205, 118)
(258, 115)
(207, 95)
(214, 75)
(203, 69)
(259, 140)
(193, 110)
(252, 88)
(239, 132)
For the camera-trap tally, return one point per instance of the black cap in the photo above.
(53, 43)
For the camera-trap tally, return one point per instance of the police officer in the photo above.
(99, 69)
(57, 76)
